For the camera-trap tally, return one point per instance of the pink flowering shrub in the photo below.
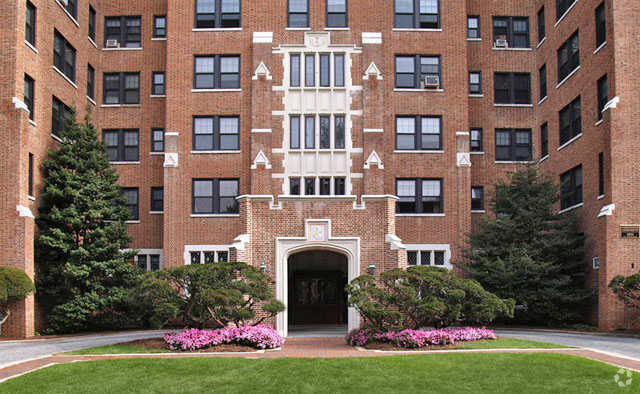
(411, 339)
(259, 337)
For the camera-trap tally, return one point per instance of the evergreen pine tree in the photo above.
(529, 252)
(83, 273)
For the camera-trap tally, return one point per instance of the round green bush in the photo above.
(15, 285)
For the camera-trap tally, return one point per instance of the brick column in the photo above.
(174, 199)
(463, 190)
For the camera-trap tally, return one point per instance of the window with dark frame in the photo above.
(60, 113)
(71, 6)
(603, 95)
(131, 196)
(473, 26)
(512, 88)
(157, 199)
(142, 262)
(601, 174)
(154, 263)
(477, 198)
(216, 72)
(309, 70)
(542, 75)
(294, 70)
(294, 186)
(91, 82)
(30, 179)
(544, 140)
(215, 196)
(570, 121)
(64, 56)
(476, 144)
(601, 25)
(121, 88)
(211, 14)
(515, 30)
(571, 188)
(30, 24)
(419, 133)
(216, 133)
(542, 30)
(339, 71)
(126, 30)
(419, 196)
(29, 92)
(309, 186)
(294, 132)
(157, 140)
(411, 71)
(325, 70)
(417, 14)
(298, 13)
(513, 145)
(325, 132)
(338, 132)
(337, 13)
(569, 56)
(325, 186)
(122, 145)
(475, 82)
(562, 6)
(160, 26)
(339, 187)
(92, 24)
(158, 84)
(310, 132)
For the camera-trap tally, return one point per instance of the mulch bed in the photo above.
(160, 344)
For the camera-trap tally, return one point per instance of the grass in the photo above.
(442, 373)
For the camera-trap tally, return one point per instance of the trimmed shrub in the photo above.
(627, 289)
(258, 337)
(413, 339)
(15, 286)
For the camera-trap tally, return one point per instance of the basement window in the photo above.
(630, 231)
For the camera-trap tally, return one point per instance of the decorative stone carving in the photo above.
(464, 159)
(607, 210)
(262, 70)
(372, 71)
(24, 212)
(317, 39)
(171, 160)
(374, 160)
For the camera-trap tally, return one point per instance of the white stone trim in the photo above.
(607, 210)
(374, 159)
(262, 37)
(600, 47)
(575, 70)
(371, 38)
(262, 70)
(19, 104)
(372, 71)
(565, 13)
(571, 208)
(446, 248)
(394, 241)
(261, 159)
(261, 130)
(75, 22)
(373, 130)
(202, 248)
(65, 77)
(149, 252)
(613, 103)
(170, 160)
(24, 212)
(569, 142)
(464, 159)
(31, 46)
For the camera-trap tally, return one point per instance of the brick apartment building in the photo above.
(322, 139)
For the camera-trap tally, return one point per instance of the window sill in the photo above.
(214, 90)
(68, 14)
(316, 197)
(337, 28)
(575, 70)
(418, 151)
(32, 123)
(298, 28)
(600, 197)
(215, 152)
(313, 150)
(600, 47)
(124, 163)
(543, 158)
(476, 153)
(55, 137)
(158, 96)
(27, 43)
(511, 49)
(513, 162)
(121, 49)
(569, 142)
(92, 101)
(416, 29)
(418, 90)
(65, 77)
(570, 208)
(542, 100)
(132, 221)
(565, 13)
(32, 198)
(120, 106)
(92, 42)
(474, 39)
(156, 213)
(199, 29)
(420, 215)
(476, 95)
(599, 122)
(541, 42)
(514, 105)
(156, 153)
(215, 215)
(479, 211)
(158, 38)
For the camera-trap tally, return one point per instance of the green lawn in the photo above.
(442, 374)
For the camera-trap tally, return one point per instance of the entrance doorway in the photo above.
(317, 298)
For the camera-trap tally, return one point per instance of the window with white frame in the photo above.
(208, 256)
(148, 262)
(429, 255)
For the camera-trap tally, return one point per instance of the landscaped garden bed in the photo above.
(419, 339)
(255, 337)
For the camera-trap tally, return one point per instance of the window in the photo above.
(541, 25)
(339, 186)
(217, 14)
(91, 82)
(157, 140)
(473, 27)
(512, 88)
(338, 132)
(419, 196)
(325, 132)
(476, 140)
(562, 6)
(71, 6)
(64, 56)
(325, 186)
(295, 71)
(571, 188)
(217, 72)
(294, 138)
(30, 24)
(92, 24)
(160, 26)
(60, 113)
(210, 256)
(544, 140)
(157, 199)
(601, 174)
(131, 202)
(122, 145)
(310, 70)
(603, 95)
(336, 13)
(338, 64)
(568, 57)
(601, 25)
(570, 121)
(417, 14)
(214, 133)
(411, 71)
(419, 133)
(30, 184)
(29, 91)
(298, 13)
(126, 30)
(157, 87)
(121, 88)
(543, 81)
(513, 29)
(475, 82)
(153, 261)
(477, 198)
(513, 145)
(425, 257)
(215, 196)
(325, 70)
(294, 186)
(309, 186)
(310, 132)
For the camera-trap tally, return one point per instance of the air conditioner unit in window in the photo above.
(501, 43)
(113, 44)
(432, 82)
(64, 2)
(596, 263)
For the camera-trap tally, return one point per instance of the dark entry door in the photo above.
(319, 298)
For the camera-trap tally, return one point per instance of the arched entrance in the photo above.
(316, 282)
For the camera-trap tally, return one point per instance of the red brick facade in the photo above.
(363, 224)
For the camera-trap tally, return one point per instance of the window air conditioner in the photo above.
(432, 82)
(113, 44)
(502, 43)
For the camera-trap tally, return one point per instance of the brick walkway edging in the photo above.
(308, 348)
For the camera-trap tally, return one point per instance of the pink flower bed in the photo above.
(412, 339)
(259, 337)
